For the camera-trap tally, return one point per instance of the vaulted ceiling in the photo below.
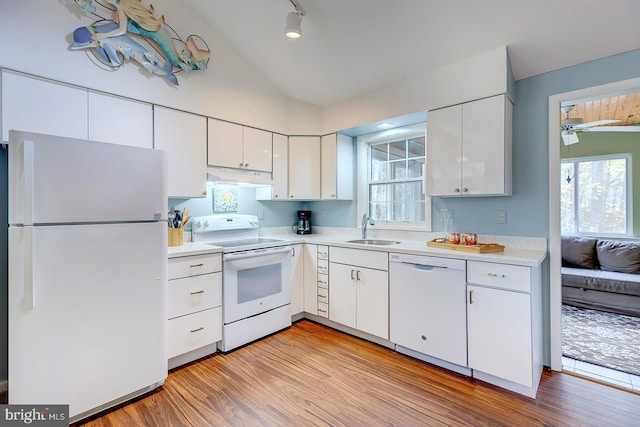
(350, 47)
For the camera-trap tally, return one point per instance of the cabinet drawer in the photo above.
(323, 295)
(361, 258)
(190, 294)
(194, 265)
(504, 276)
(323, 309)
(323, 266)
(193, 331)
(323, 280)
(323, 252)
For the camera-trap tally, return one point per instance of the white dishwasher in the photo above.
(427, 309)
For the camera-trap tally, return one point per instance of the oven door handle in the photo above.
(254, 259)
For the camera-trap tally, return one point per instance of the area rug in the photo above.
(604, 339)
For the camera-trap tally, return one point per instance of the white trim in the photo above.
(555, 285)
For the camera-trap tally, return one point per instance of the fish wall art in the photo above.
(128, 31)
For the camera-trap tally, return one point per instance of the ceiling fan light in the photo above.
(569, 137)
(292, 29)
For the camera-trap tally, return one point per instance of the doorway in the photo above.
(555, 263)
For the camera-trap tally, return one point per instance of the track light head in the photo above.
(292, 29)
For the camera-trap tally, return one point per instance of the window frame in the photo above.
(363, 164)
(628, 196)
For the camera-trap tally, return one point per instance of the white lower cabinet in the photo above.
(194, 307)
(297, 280)
(359, 290)
(310, 278)
(504, 325)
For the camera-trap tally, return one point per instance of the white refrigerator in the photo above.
(87, 272)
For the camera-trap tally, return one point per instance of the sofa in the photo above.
(601, 274)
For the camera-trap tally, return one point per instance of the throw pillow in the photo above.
(623, 257)
(579, 252)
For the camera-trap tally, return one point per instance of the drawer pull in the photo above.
(196, 265)
(197, 329)
(322, 311)
(196, 292)
(496, 275)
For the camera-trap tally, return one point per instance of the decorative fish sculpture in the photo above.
(114, 49)
(135, 33)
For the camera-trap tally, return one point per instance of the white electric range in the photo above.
(256, 277)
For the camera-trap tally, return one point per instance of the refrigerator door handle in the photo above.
(28, 289)
(27, 160)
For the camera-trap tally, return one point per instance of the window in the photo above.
(391, 178)
(596, 195)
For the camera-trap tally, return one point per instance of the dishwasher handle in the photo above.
(429, 262)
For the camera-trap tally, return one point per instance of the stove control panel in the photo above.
(208, 223)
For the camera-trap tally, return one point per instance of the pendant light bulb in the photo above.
(292, 30)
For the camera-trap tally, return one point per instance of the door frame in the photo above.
(555, 260)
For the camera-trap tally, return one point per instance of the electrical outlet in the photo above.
(501, 217)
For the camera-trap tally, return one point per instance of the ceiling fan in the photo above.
(571, 126)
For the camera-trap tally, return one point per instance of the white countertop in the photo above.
(192, 248)
(511, 255)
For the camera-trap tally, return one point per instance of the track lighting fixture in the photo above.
(294, 19)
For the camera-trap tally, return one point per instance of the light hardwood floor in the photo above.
(311, 375)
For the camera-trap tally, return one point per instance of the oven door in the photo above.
(255, 282)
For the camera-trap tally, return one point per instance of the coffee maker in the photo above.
(304, 222)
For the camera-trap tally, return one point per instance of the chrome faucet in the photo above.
(366, 220)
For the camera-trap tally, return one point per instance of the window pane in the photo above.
(594, 196)
(414, 168)
(416, 147)
(602, 196)
(397, 150)
(398, 169)
(378, 193)
(378, 162)
(378, 211)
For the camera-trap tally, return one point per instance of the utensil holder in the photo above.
(176, 236)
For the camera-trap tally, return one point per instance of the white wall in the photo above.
(477, 77)
(36, 34)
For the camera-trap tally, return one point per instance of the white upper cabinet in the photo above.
(184, 137)
(304, 167)
(336, 167)
(240, 147)
(225, 144)
(469, 149)
(280, 175)
(120, 120)
(257, 149)
(37, 105)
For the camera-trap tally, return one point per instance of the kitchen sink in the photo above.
(377, 242)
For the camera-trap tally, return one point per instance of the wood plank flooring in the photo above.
(311, 375)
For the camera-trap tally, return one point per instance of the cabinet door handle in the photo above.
(293, 251)
(353, 274)
(197, 329)
(496, 275)
(471, 297)
(196, 265)
(465, 190)
(457, 190)
(197, 292)
(358, 275)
